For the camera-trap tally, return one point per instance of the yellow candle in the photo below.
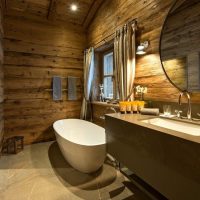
(134, 105)
(128, 107)
(122, 106)
(140, 105)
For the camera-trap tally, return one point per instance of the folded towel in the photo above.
(149, 111)
(57, 88)
(72, 90)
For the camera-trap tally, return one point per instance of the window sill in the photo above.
(104, 104)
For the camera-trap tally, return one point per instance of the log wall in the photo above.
(1, 76)
(150, 15)
(35, 51)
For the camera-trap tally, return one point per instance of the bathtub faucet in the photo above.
(111, 108)
(108, 108)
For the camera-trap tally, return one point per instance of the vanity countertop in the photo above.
(138, 118)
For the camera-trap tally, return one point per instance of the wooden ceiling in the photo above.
(55, 9)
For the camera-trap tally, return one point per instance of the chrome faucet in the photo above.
(111, 108)
(189, 112)
(108, 108)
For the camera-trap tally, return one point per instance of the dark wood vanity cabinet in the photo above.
(169, 164)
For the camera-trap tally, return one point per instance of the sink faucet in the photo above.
(189, 112)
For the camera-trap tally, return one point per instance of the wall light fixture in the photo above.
(141, 49)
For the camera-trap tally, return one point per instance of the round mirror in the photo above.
(180, 45)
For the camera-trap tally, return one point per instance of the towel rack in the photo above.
(49, 90)
(68, 77)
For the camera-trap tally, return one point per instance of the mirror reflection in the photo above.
(180, 45)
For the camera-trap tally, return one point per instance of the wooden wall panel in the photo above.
(34, 52)
(1, 76)
(150, 15)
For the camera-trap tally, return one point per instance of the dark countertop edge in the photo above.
(137, 120)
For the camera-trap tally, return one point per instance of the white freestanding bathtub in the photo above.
(82, 143)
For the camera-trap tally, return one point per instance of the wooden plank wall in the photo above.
(34, 52)
(1, 76)
(150, 15)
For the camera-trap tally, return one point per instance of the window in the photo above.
(108, 75)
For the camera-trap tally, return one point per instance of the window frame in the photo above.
(109, 75)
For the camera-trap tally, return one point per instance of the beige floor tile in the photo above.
(41, 173)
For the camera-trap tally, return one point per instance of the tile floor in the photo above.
(41, 173)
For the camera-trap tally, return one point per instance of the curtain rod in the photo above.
(113, 34)
(104, 40)
(132, 20)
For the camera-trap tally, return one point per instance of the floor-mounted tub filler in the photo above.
(82, 143)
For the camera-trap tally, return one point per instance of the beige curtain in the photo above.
(125, 53)
(88, 78)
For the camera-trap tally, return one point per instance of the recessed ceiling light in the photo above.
(74, 7)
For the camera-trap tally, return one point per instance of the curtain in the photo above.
(88, 78)
(125, 53)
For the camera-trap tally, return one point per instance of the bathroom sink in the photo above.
(188, 128)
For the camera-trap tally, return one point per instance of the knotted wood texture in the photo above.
(36, 50)
(150, 15)
(1, 75)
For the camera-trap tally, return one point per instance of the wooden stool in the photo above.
(14, 145)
